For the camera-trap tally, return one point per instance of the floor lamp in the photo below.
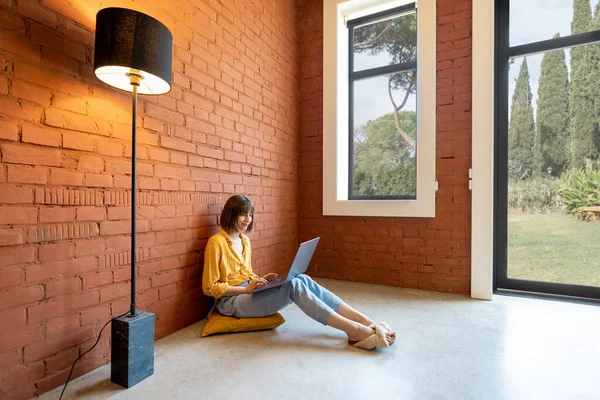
(133, 52)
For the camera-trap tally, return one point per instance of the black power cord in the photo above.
(78, 358)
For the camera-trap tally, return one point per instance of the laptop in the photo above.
(299, 266)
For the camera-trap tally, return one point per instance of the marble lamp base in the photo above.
(132, 348)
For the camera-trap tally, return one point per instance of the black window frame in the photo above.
(502, 284)
(371, 73)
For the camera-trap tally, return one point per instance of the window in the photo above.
(382, 117)
(379, 108)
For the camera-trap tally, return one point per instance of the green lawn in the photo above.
(553, 248)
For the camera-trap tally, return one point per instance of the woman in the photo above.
(228, 277)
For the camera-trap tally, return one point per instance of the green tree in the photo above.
(521, 131)
(397, 39)
(584, 123)
(384, 163)
(552, 141)
(595, 83)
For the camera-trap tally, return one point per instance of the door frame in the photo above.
(482, 158)
(489, 225)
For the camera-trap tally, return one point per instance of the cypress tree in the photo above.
(583, 123)
(522, 129)
(552, 147)
(595, 85)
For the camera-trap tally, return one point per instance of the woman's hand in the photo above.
(254, 283)
(270, 276)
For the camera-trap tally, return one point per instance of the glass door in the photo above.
(547, 143)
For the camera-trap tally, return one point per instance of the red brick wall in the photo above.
(228, 126)
(431, 254)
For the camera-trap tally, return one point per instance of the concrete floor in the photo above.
(447, 347)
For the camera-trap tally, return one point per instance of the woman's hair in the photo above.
(235, 206)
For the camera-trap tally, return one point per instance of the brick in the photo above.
(118, 166)
(30, 155)
(35, 11)
(39, 351)
(3, 85)
(9, 361)
(18, 44)
(179, 158)
(62, 305)
(124, 213)
(153, 124)
(91, 213)
(75, 122)
(108, 147)
(77, 141)
(56, 251)
(62, 100)
(169, 184)
(159, 155)
(123, 182)
(12, 339)
(10, 276)
(65, 177)
(79, 34)
(16, 195)
(12, 318)
(97, 180)
(177, 144)
(47, 38)
(121, 227)
(26, 174)
(168, 224)
(196, 161)
(47, 270)
(210, 152)
(9, 131)
(115, 291)
(86, 247)
(96, 279)
(10, 21)
(62, 360)
(91, 315)
(203, 175)
(89, 163)
(21, 296)
(66, 286)
(164, 114)
(163, 171)
(32, 93)
(57, 214)
(168, 277)
(16, 255)
(18, 215)
(167, 250)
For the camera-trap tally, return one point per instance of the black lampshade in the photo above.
(129, 40)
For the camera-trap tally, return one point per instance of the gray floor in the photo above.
(448, 347)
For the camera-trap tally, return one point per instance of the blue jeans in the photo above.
(313, 299)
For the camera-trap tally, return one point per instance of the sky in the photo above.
(530, 21)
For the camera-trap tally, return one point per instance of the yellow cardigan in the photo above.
(223, 267)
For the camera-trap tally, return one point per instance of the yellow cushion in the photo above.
(218, 323)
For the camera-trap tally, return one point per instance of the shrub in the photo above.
(534, 196)
(579, 188)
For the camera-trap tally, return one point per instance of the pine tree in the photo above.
(583, 123)
(522, 129)
(552, 142)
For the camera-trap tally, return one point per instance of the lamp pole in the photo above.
(134, 79)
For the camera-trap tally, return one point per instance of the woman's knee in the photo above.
(297, 287)
(304, 278)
